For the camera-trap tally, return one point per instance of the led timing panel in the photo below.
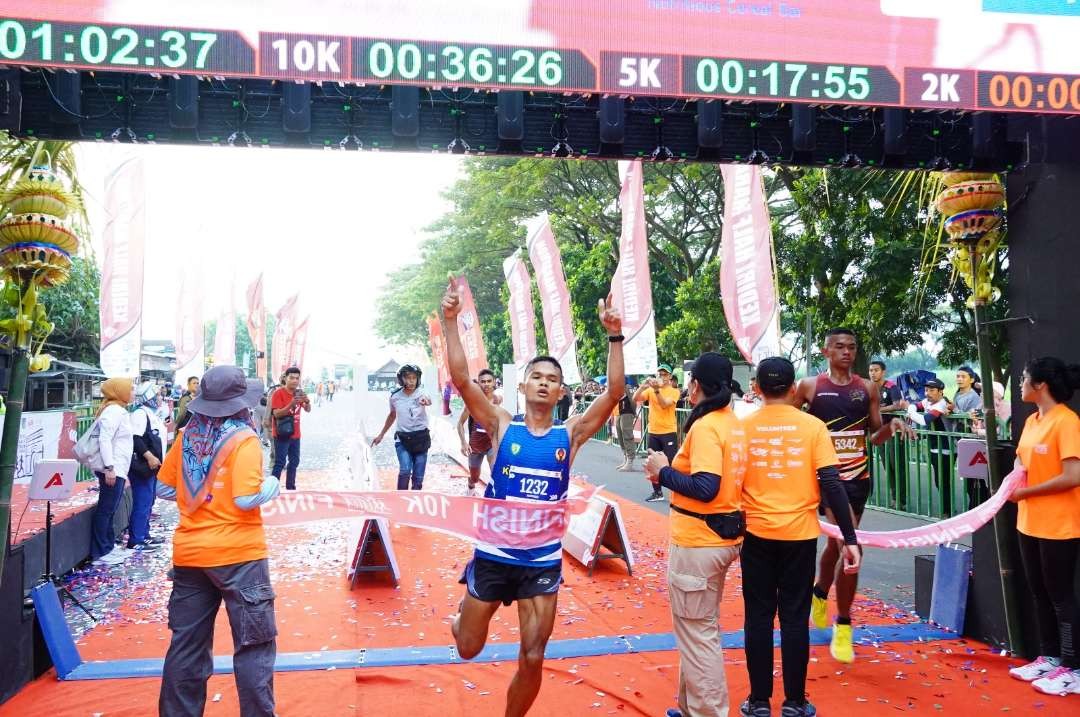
(1012, 55)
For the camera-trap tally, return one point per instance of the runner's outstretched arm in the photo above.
(584, 426)
(478, 405)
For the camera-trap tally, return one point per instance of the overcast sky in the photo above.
(329, 225)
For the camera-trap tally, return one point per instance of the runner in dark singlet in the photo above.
(478, 446)
(849, 406)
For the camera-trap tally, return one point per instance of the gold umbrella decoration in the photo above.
(972, 205)
(36, 246)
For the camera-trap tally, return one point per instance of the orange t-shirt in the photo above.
(662, 420)
(785, 449)
(219, 533)
(714, 445)
(1045, 443)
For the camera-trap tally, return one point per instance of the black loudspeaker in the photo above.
(184, 102)
(896, 121)
(612, 117)
(710, 124)
(10, 100)
(66, 97)
(296, 107)
(987, 136)
(803, 127)
(510, 116)
(405, 111)
(924, 584)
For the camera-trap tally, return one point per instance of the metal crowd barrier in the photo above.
(915, 478)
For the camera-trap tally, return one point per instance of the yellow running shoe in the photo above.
(819, 612)
(841, 648)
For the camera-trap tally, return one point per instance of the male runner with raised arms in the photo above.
(533, 455)
(850, 407)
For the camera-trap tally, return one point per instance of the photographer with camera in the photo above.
(285, 406)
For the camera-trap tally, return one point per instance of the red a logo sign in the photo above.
(56, 479)
(978, 458)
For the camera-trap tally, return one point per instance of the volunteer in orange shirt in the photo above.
(1049, 522)
(663, 425)
(792, 467)
(214, 472)
(705, 480)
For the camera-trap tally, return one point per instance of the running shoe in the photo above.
(144, 547)
(655, 497)
(755, 708)
(1041, 667)
(819, 612)
(841, 648)
(673, 712)
(794, 709)
(113, 557)
(1061, 681)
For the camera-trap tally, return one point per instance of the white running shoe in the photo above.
(114, 557)
(1061, 681)
(1041, 667)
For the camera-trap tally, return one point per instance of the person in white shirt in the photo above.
(115, 445)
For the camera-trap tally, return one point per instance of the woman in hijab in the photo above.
(214, 472)
(149, 439)
(115, 446)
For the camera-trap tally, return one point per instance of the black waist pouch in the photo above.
(415, 441)
(727, 525)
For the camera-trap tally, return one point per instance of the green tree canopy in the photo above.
(73, 308)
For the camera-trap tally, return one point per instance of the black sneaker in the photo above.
(144, 547)
(656, 497)
(794, 709)
(755, 708)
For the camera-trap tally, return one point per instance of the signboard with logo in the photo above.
(53, 480)
(972, 459)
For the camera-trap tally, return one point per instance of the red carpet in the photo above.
(316, 611)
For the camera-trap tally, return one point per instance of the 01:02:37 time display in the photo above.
(776, 79)
(97, 45)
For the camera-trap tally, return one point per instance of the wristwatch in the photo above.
(108, 468)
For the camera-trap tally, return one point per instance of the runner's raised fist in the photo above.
(451, 301)
(609, 316)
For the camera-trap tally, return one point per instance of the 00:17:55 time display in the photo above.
(737, 77)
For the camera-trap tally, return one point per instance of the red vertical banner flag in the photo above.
(438, 350)
(747, 288)
(522, 311)
(631, 287)
(298, 345)
(472, 337)
(256, 324)
(554, 296)
(121, 298)
(190, 349)
(283, 331)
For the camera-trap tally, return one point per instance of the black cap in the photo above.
(775, 374)
(712, 368)
(935, 383)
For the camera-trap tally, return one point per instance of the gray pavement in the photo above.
(886, 574)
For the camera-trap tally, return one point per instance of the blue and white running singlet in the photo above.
(529, 468)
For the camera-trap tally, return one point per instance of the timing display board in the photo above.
(1015, 55)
